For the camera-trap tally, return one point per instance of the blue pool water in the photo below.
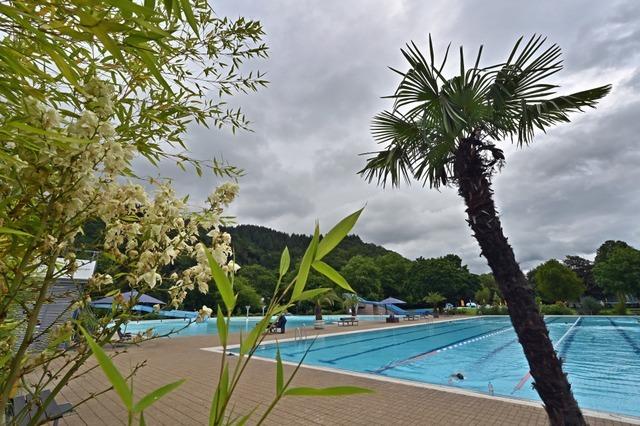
(180, 327)
(601, 356)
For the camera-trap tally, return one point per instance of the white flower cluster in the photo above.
(80, 179)
(204, 313)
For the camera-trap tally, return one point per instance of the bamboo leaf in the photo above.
(4, 230)
(305, 266)
(337, 234)
(65, 69)
(279, 373)
(188, 12)
(222, 283)
(131, 7)
(252, 338)
(285, 261)
(332, 274)
(153, 69)
(222, 327)
(110, 370)
(310, 294)
(331, 391)
(152, 397)
(219, 397)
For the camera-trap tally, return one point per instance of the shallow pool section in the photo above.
(601, 356)
(180, 327)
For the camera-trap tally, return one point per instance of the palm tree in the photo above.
(350, 301)
(442, 131)
(434, 299)
(327, 298)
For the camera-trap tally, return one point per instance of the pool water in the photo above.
(601, 356)
(181, 327)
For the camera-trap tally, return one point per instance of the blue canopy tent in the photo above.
(145, 304)
(391, 302)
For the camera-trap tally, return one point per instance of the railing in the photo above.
(300, 334)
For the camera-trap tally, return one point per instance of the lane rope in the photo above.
(527, 376)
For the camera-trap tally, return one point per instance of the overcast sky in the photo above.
(572, 189)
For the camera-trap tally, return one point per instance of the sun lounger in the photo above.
(52, 412)
(411, 317)
(347, 321)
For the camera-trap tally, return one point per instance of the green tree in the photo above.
(394, 270)
(584, 269)
(444, 131)
(619, 273)
(445, 275)
(260, 278)
(434, 299)
(557, 283)
(607, 248)
(363, 275)
(483, 296)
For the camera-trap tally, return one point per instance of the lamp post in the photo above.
(262, 304)
(248, 307)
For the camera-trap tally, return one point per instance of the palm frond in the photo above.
(431, 113)
(547, 113)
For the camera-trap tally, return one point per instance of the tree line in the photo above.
(375, 272)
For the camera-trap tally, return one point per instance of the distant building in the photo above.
(62, 294)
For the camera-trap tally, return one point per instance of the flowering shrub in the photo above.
(86, 87)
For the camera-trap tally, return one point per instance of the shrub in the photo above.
(557, 309)
(465, 311)
(613, 311)
(493, 310)
(589, 306)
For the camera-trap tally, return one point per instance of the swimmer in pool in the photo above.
(456, 376)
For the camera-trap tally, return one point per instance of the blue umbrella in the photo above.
(391, 301)
(127, 295)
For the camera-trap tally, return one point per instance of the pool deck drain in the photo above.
(410, 403)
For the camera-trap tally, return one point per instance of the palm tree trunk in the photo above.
(472, 176)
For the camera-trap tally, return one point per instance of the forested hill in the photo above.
(254, 244)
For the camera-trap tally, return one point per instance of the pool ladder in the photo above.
(300, 334)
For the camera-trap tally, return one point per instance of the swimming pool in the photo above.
(236, 325)
(601, 356)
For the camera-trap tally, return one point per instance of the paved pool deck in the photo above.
(392, 403)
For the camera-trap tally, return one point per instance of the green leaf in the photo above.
(110, 370)
(222, 327)
(222, 283)
(153, 69)
(332, 274)
(152, 397)
(333, 237)
(188, 12)
(65, 69)
(252, 338)
(131, 7)
(310, 294)
(285, 261)
(101, 31)
(142, 422)
(219, 397)
(305, 266)
(331, 391)
(4, 230)
(279, 373)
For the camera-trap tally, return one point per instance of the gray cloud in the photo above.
(572, 189)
